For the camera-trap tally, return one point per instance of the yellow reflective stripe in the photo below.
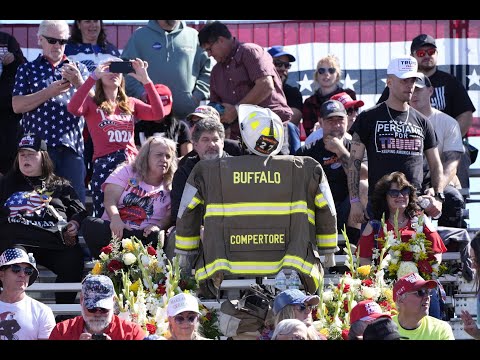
(187, 242)
(311, 216)
(326, 240)
(195, 201)
(256, 208)
(320, 201)
(258, 268)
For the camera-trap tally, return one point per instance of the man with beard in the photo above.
(332, 151)
(97, 321)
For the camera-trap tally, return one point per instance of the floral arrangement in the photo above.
(404, 256)
(144, 281)
(359, 283)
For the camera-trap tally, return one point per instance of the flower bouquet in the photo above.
(144, 281)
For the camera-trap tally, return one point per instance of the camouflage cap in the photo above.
(98, 291)
(204, 111)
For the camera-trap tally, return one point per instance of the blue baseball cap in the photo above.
(277, 51)
(98, 291)
(293, 297)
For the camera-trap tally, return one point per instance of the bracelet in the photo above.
(94, 76)
(354, 200)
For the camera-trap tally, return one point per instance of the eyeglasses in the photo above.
(280, 63)
(430, 52)
(209, 49)
(53, 41)
(179, 319)
(17, 268)
(305, 308)
(98, 310)
(351, 110)
(421, 292)
(322, 71)
(394, 193)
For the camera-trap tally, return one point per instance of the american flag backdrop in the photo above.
(364, 48)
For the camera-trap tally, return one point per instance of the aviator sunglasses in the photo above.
(305, 308)
(279, 63)
(17, 268)
(429, 52)
(394, 193)
(98, 310)
(53, 41)
(322, 71)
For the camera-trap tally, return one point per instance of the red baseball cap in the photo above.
(166, 96)
(367, 310)
(411, 282)
(347, 100)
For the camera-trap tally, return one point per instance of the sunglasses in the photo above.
(17, 268)
(351, 110)
(279, 64)
(322, 71)
(98, 310)
(179, 319)
(305, 308)
(430, 52)
(394, 193)
(421, 292)
(53, 41)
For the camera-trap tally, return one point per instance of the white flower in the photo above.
(327, 295)
(369, 292)
(103, 256)
(145, 260)
(405, 268)
(129, 258)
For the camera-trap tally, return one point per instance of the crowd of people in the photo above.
(202, 139)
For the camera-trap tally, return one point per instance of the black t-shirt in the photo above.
(231, 147)
(394, 145)
(293, 96)
(449, 94)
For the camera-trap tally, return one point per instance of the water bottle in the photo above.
(293, 280)
(281, 281)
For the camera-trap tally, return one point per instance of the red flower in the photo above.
(114, 265)
(345, 305)
(107, 249)
(151, 250)
(407, 255)
(346, 287)
(367, 282)
(161, 289)
(431, 257)
(424, 267)
(209, 316)
(151, 329)
(345, 334)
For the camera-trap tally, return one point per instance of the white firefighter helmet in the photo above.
(261, 129)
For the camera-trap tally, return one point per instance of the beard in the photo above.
(211, 155)
(98, 323)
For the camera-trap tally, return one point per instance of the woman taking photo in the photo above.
(42, 212)
(137, 198)
(110, 117)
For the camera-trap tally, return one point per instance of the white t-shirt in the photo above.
(448, 132)
(27, 319)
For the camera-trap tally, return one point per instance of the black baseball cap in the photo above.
(422, 40)
(332, 108)
(383, 328)
(423, 81)
(32, 142)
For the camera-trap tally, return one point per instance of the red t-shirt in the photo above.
(118, 329)
(366, 242)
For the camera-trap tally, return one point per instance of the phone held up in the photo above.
(121, 67)
(99, 337)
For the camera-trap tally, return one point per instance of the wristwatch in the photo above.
(440, 196)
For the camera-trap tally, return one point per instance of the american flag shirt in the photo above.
(91, 55)
(50, 120)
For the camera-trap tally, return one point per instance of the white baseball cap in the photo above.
(182, 302)
(404, 67)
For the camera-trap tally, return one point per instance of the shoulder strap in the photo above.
(376, 225)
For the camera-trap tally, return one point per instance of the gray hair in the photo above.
(61, 25)
(208, 124)
(287, 326)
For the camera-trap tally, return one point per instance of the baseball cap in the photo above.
(366, 310)
(423, 81)
(382, 329)
(182, 302)
(332, 108)
(403, 67)
(261, 129)
(277, 51)
(422, 40)
(32, 142)
(293, 297)
(409, 283)
(204, 111)
(17, 255)
(98, 291)
(166, 96)
(347, 100)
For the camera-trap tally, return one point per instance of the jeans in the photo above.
(293, 137)
(71, 166)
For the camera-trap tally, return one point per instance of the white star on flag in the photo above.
(305, 83)
(474, 79)
(348, 82)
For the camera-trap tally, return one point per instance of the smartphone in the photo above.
(99, 337)
(121, 67)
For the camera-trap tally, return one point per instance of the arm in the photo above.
(470, 325)
(436, 169)
(76, 106)
(201, 90)
(465, 122)
(25, 103)
(112, 194)
(450, 161)
(357, 211)
(336, 146)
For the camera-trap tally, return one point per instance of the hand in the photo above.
(334, 145)
(140, 73)
(469, 324)
(117, 226)
(59, 87)
(149, 229)
(70, 233)
(71, 73)
(358, 213)
(435, 208)
(8, 58)
(229, 115)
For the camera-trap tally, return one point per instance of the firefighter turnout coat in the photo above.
(260, 214)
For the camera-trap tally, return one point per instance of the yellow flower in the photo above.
(128, 244)
(324, 332)
(388, 293)
(364, 270)
(134, 286)
(97, 269)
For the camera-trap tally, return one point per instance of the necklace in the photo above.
(38, 188)
(389, 114)
(400, 223)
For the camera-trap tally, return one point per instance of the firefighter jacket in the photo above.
(260, 214)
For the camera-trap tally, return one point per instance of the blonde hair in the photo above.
(61, 25)
(331, 61)
(140, 164)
